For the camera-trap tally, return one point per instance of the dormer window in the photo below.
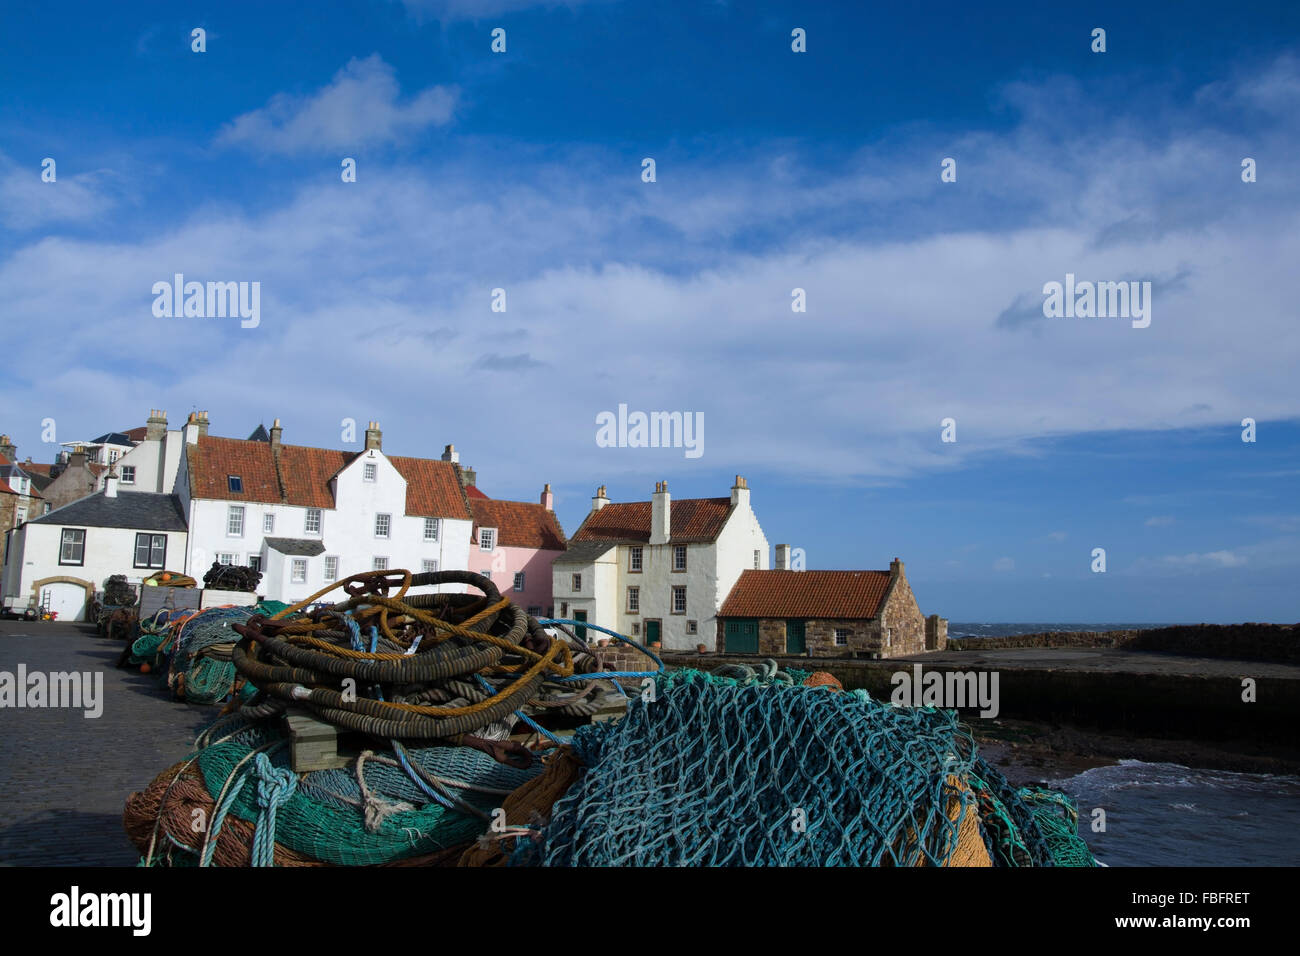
(235, 483)
(370, 471)
(487, 539)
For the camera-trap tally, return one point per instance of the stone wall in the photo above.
(902, 617)
(1259, 642)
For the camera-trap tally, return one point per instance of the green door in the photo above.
(741, 636)
(651, 632)
(794, 642)
(580, 631)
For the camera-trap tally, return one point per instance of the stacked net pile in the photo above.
(717, 774)
(255, 811)
(200, 645)
(419, 693)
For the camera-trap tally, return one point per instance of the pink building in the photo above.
(514, 542)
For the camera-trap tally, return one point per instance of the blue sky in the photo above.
(775, 170)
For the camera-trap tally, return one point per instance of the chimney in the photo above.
(77, 460)
(110, 483)
(740, 492)
(471, 477)
(451, 454)
(276, 432)
(895, 568)
(600, 500)
(203, 423)
(8, 449)
(548, 499)
(194, 428)
(374, 437)
(782, 557)
(155, 429)
(660, 514)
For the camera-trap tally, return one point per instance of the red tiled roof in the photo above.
(472, 491)
(5, 488)
(32, 468)
(691, 520)
(432, 487)
(213, 459)
(519, 524)
(136, 434)
(307, 472)
(825, 595)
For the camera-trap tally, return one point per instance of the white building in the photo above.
(152, 463)
(61, 558)
(309, 516)
(659, 570)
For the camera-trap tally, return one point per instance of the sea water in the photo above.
(1163, 814)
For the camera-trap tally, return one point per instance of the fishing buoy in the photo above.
(166, 576)
(145, 668)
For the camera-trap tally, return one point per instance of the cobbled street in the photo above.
(64, 778)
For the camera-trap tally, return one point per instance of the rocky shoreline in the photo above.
(1279, 643)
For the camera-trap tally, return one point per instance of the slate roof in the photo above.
(301, 547)
(692, 520)
(519, 524)
(820, 595)
(584, 552)
(139, 510)
(112, 438)
(260, 434)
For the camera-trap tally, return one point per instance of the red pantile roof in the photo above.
(690, 519)
(136, 434)
(32, 468)
(519, 524)
(825, 595)
(432, 487)
(472, 492)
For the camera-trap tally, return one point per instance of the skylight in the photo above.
(236, 483)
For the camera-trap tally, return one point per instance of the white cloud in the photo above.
(28, 202)
(359, 107)
(1004, 564)
(448, 10)
(1159, 521)
(1057, 535)
(1210, 559)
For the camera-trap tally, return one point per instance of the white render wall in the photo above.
(347, 532)
(108, 551)
(156, 464)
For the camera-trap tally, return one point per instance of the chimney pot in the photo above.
(548, 499)
(374, 437)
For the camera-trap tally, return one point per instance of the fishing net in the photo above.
(201, 670)
(716, 774)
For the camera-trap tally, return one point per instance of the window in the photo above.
(113, 456)
(20, 515)
(841, 636)
(487, 573)
(379, 564)
(564, 609)
(255, 562)
(128, 474)
(268, 523)
(73, 548)
(311, 523)
(430, 529)
(692, 627)
(370, 471)
(679, 600)
(46, 509)
(225, 557)
(577, 583)
(150, 550)
(889, 637)
(633, 600)
(382, 523)
(235, 484)
(487, 539)
(535, 610)
(299, 573)
(519, 580)
(679, 558)
(756, 561)
(235, 521)
(22, 486)
(331, 568)
(634, 556)
(636, 628)
(428, 565)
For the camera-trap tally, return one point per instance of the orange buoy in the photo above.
(145, 668)
(166, 576)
